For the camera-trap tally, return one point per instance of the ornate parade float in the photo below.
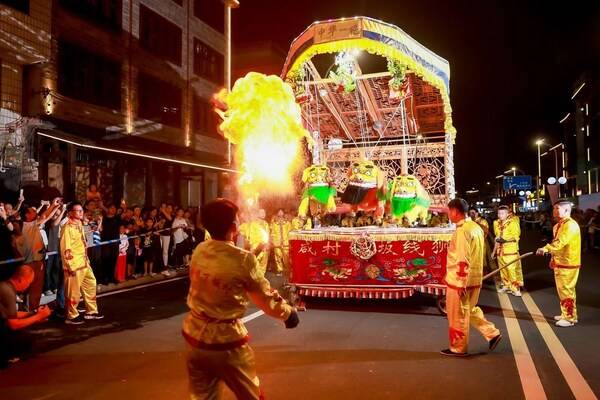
(376, 105)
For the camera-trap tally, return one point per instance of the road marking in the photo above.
(252, 316)
(129, 289)
(530, 380)
(576, 381)
(247, 318)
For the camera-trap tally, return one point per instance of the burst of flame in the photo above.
(264, 121)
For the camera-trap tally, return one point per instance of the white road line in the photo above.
(129, 289)
(576, 381)
(252, 316)
(530, 380)
(247, 318)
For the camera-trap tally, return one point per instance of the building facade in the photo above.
(581, 136)
(25, 41)
(122, 100)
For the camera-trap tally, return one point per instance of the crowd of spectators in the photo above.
(143, 241)
(588, 220)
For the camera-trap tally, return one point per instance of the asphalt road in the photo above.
(342, 349)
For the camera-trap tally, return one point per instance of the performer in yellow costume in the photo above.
(565, 249)
(485, 227)
(464, 269)
(518, 266)
(280, 230)
(255, 233)
(507, 233)
(301, 223)
(223, 280)
(79, 277)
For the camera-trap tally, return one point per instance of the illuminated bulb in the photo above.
(323, 92)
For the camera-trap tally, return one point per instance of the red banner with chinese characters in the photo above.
(368, 258)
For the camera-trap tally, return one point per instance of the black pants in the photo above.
(95, 256)
(53, 269)
(110, 252)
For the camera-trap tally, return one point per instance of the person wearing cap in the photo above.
(224, 279)
(464, 270)
(565, 249)
(506, 250)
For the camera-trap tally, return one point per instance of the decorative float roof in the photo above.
(371, 110)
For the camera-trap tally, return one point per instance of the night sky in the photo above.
(513, 64)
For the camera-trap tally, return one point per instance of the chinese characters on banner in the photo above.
(396, 262)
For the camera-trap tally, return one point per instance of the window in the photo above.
(160, 36)
(204, 118)
(208, 63)
(21, 5)
(159, 101)
(106, 13)
(88, 77)
(212, 12)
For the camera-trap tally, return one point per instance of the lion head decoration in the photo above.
(365, 190)
(318, 190)
(409, 199)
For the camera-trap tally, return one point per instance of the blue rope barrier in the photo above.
(111, 241)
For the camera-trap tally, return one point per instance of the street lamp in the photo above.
(514, 170)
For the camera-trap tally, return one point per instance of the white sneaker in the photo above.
(563, 323)
(501, 289)
(559, 317)
(166, 273)
(516, 293)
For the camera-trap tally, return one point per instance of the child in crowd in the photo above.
(121, 267)
(132, 250)
(150, 244)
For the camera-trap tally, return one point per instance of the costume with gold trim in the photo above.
(365, 190)
(256, 232)
(464, 269)
(507, 251)
(408, 199)
(318, 190)
(79, 277)
(565, 249)
(280, 240)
